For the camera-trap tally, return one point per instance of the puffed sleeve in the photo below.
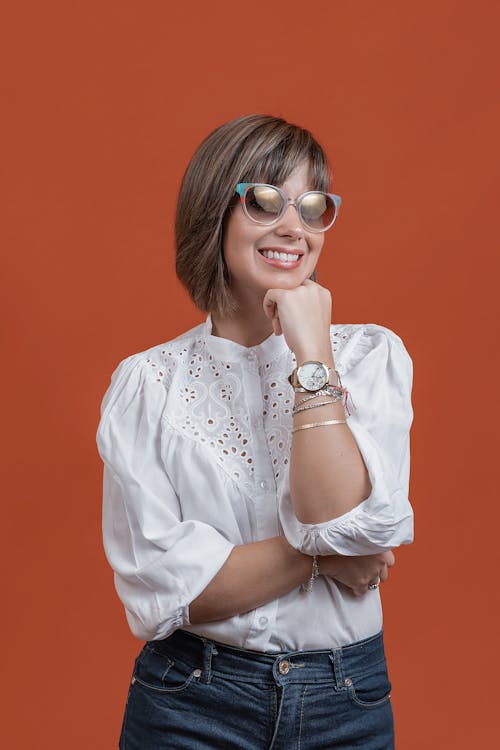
(379, 375)
(161, 563)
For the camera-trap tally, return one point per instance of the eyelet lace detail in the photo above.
(278, 399)
(207, 403)
(204, 404)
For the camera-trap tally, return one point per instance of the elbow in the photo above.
(152, 629)
(309, 511)
(358, 533)
(143, 631)
(197, 612)
(150, 617)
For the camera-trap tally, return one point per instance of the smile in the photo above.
(280, 258)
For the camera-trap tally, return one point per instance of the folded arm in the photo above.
(349, 483)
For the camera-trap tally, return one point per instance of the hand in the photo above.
(357, 572)
(303, 315)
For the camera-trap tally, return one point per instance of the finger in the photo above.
(269, 307)
(384, 574)
(270, 302)
(388, 558)
(276, 322)
(350, 590)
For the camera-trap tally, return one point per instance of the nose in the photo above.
(290, 225)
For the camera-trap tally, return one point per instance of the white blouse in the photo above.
(195, 436)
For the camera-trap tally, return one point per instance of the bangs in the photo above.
(276, 164)
(252, 148)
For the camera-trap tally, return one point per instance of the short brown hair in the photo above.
(253, 148)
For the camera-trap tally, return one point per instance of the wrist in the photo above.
(298, 561)
(322, 354)
(329, 565)
(307, 586)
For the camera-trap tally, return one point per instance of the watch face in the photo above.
(312, 375)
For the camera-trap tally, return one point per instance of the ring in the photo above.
(374, 585)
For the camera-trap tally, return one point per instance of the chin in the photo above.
(289, 281)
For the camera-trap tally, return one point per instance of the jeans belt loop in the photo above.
(208, 651)
(338, 668)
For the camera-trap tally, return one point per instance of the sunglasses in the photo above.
(266, 204)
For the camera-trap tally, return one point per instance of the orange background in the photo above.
(105, 104)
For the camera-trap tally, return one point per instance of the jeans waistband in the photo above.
(319, 665)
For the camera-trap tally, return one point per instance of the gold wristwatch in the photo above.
(312, 376)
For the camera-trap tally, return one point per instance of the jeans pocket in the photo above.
(162, 673)
(371, 688)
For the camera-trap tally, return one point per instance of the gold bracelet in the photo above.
(319, 424)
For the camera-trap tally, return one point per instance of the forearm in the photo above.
(327, 474)
(253, 575)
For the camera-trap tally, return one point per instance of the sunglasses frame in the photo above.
(243, 187)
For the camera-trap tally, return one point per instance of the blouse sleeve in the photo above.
(379, 376)
(161, 562)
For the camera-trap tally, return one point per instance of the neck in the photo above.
(244, 327)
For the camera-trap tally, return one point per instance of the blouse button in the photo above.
(263, 485)
(263, 621)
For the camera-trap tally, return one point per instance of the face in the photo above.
(249, 248)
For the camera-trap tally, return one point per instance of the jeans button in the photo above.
(284, 667)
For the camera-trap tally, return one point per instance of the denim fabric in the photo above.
(190, 693)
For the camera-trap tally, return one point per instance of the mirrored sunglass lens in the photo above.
(263, 203)
(317, 210)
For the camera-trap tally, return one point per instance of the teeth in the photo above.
(273, 254)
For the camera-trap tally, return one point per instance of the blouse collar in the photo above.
(226, 350)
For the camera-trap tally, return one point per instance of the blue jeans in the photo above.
(190, 693)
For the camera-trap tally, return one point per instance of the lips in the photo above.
(279, 253)
(281, 257)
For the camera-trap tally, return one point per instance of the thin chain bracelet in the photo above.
(319, 424)
(311, 406)
(335, 397)
(307, 586)
(333, 391)
(329, 388)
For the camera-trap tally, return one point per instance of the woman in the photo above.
(249, 509)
